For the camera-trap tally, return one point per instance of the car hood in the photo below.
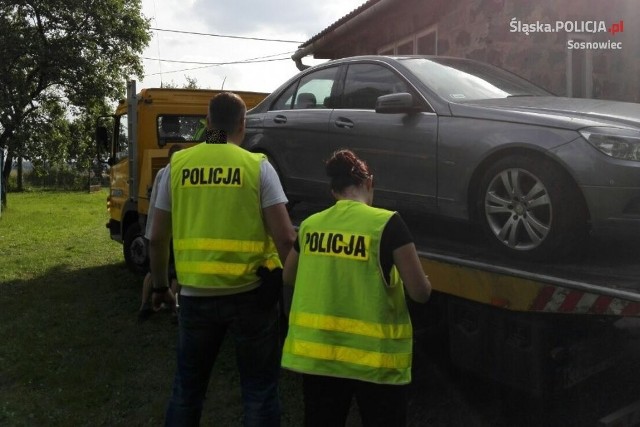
(568, 113)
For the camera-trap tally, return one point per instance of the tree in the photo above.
(69, 52)
(42, 138)
(192, 83)
(83, 152)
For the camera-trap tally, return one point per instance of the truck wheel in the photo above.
(136, 253)
(530, 209)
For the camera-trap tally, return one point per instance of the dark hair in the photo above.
(174, 148)
(226, 111)
(346, 169)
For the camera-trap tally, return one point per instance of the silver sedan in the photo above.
(464, 140)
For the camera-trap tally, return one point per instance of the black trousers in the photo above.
(327, 401)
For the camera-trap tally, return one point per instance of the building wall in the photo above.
(482, 29)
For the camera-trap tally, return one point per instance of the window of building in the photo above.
(422, 43)
(406, 48)
(426, 43)
(579, 68)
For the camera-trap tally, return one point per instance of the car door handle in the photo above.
(344, 123)
(280, 119)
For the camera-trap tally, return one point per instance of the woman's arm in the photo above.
(408, 264)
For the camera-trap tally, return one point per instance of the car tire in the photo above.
(530, 210)
(135, 248)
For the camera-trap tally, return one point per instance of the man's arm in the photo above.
(291, 268)
(280, 228)
(159, 243)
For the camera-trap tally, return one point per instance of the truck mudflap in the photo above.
(114, 230)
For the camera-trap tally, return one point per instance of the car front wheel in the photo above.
(530, 209)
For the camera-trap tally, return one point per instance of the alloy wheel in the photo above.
(518, 209)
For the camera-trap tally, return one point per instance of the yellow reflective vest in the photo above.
(219, 237)
(345, 320)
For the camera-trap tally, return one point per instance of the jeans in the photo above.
(204, 322)
(327, 401)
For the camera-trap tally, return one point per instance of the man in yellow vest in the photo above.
(225, 209)
(349, 327)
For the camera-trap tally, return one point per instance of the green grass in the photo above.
(72, 352)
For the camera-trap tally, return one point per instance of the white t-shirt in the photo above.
(152, 202)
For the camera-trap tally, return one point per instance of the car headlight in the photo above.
(615, 142)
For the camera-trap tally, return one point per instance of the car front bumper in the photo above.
(611, 187)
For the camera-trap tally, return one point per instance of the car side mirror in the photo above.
(396, 103)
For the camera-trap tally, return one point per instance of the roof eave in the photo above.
(338, 28)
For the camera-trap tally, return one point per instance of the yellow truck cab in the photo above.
(145, 125)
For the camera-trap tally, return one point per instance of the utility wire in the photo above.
(227, 36)
(250, 60)
(213, 64)
(209, 66)
(217, 65)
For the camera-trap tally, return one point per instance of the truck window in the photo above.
(121, 143)
(172, 128)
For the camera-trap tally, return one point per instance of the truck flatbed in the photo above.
(605, 280)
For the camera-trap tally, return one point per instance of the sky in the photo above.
(286, 20)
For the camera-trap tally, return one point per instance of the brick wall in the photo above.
(481, 29)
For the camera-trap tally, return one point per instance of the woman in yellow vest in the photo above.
(349, 327)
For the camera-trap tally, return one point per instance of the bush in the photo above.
(58, 178)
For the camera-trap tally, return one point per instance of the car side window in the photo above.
(366, 82)
(285, 100)
(314, 90)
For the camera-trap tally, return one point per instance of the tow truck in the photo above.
(137, 144)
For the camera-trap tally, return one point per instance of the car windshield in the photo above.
(460, 80)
